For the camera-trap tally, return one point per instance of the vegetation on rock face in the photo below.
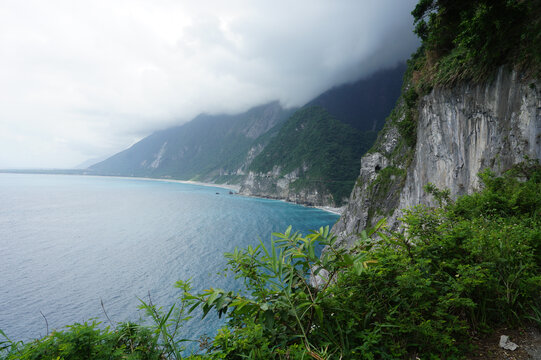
(408, 125)
(459, 269)
(325, 163)
(468, 40)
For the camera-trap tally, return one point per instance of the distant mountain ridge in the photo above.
(315, 150)
(198, 149)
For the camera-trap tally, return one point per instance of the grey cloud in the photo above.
(86, 79)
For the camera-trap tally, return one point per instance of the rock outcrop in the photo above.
(460, 131)
(273, 185)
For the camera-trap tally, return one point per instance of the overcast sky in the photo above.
(85, 79)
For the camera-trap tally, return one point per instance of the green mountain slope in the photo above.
(323, 151)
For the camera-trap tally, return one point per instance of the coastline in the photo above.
(235, 188)
(334, 210)
(329, 209)
(230, 187)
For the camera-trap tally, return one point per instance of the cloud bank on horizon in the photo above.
(82, 80)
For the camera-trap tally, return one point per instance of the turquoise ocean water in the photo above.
(68, 241)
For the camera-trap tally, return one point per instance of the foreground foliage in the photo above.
(88, 341)
(459, 269)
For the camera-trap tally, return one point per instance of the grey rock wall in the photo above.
(460, 132)
(273, 185)
(467, 129)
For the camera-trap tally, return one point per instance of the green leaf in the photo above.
(210, 299)
(192, 308)
(312, 252)
(319, 313)
(348, 259)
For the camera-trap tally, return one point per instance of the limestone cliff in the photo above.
(460, 131)
(274, 185)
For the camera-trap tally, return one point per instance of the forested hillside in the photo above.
(323, 152)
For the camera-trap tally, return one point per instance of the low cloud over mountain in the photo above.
(85, 79)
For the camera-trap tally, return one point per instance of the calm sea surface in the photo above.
(68, 241)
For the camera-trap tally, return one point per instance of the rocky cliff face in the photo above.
(460, 131)
(274, 185)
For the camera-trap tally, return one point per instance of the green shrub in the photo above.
(87, 341)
